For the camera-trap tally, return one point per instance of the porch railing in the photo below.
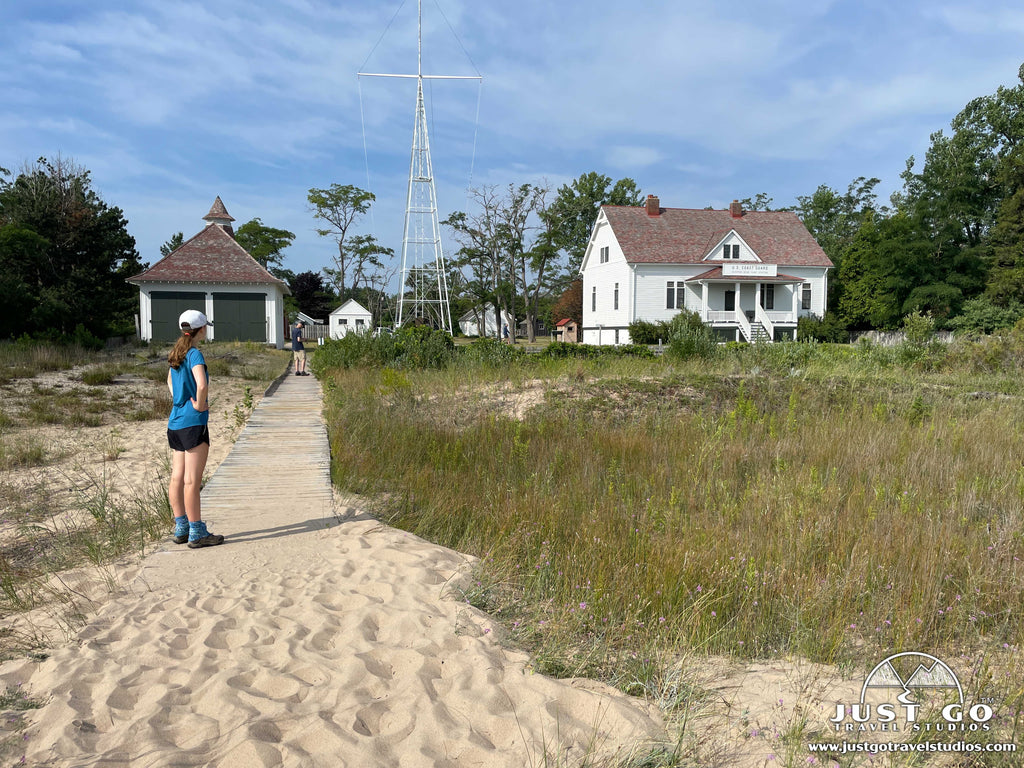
(741, 318)
(765, 320)
(730, 316)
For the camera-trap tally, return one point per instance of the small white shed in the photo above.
(350, 316)
(481, 320)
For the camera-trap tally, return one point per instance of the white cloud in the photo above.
(631, 158)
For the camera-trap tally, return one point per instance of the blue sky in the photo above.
(170, 104)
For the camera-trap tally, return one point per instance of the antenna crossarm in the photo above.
(422, 77)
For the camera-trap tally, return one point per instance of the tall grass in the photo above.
(830, 503)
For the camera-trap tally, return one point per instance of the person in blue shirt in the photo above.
(187, 431)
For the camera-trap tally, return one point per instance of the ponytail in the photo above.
(180, 349)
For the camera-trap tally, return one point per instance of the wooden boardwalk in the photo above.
(272, 491)
(281, 458)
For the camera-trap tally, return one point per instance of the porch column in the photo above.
(797, 287)
(704, 301)
(739, 297)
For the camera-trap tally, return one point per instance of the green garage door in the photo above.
(240, 316)
(166, 307)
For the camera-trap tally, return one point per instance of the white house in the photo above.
(350, 317)
(749, 274)
(214, 274)
(481, 320)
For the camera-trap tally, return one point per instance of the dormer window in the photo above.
(731, 251)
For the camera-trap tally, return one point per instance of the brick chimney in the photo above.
(735, 209)
(653, 206)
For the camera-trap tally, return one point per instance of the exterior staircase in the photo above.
(758, 334)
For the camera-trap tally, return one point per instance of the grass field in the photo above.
(832, 504)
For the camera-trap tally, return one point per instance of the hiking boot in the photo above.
(181, 539)
(209, 540)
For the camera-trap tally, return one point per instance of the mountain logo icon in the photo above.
(912, 670)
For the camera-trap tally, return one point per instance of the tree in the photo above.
(363, 263)
(893, 268)
(834, 219)
(69, 250)
(263, 243)
(762, 201)
(569, 304)
(340, 207)
(496, 247)
(311, 295)
(173, 244)
(575, 207)
(965, 193)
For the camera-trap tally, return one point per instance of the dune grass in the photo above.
(835, 504)
(46, 538)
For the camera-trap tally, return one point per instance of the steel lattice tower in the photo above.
(424, 279)
(423, 272)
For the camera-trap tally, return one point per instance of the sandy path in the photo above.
(306, 641)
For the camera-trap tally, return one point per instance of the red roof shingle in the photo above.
(686, 235)
(211, 256)
(218, 211)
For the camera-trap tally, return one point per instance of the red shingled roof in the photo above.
(212, 256)
(686, 236)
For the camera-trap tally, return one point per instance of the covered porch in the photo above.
(752, 300)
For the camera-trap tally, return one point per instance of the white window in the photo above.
(767, 296)
(805, 298)
(604, 255)
(670, 295)
(615, 302)
(360, 321)
(343, 321)
(731, 251)
(593, 300)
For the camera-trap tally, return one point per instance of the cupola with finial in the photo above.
(219, 215)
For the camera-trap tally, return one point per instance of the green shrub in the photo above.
(98, 375)
(561, 349)
(690, 337)
(413, 347)
(643, 332)
(491, 352)
(828, 329)
(920, 328)
(980, 316)
(83, 338)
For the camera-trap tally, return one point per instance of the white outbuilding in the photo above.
(481, 320)
(348, 318)
(212, 273)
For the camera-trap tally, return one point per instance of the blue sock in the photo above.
(197, 531)
(180, 526)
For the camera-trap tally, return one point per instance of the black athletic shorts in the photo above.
(188, 438)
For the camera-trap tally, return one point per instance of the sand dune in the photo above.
(342, 651)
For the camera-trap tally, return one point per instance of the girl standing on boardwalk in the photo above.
(187, 431)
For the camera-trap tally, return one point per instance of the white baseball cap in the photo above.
(192, 320)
